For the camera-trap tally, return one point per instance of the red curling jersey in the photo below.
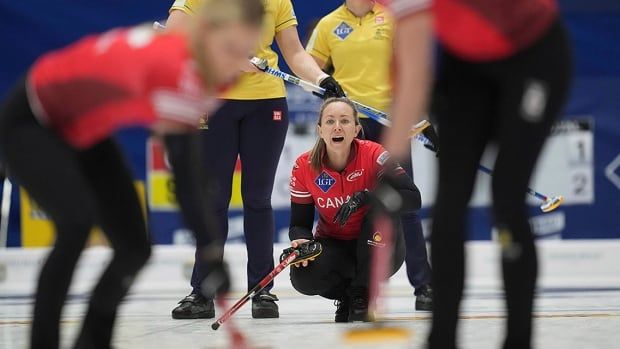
(125, 77)
(482, 30)
(328, 189)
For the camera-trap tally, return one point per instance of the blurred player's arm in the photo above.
(412, 73)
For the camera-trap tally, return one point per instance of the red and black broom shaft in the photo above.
(262, 284)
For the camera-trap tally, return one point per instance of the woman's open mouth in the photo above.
(337, 139)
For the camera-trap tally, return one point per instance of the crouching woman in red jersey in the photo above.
(56, 137)
(337, 178)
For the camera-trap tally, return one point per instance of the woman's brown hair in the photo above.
(318, 151)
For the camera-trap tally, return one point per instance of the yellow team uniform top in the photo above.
(360, 51)
(279, 15)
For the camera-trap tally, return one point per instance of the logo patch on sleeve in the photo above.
(383, 158)
(343, 30)
(324, 181)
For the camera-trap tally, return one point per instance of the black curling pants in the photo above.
(254, 131)
(344, 264)
(78, 190)
(514, 103)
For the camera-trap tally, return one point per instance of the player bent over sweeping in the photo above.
(56, 136)
(337, 177)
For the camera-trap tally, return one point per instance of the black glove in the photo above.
(356, 201)
(332, 88)
(431, 135)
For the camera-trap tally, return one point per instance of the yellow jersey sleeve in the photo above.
(187, 6)
(318, 45)
(285, 16)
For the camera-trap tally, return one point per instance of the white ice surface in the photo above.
(569, 313)
(564, 320)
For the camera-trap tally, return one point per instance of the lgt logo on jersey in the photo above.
(324, 181)
(355, 175)
(343, 30)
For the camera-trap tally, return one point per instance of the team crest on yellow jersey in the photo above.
(343, 30)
